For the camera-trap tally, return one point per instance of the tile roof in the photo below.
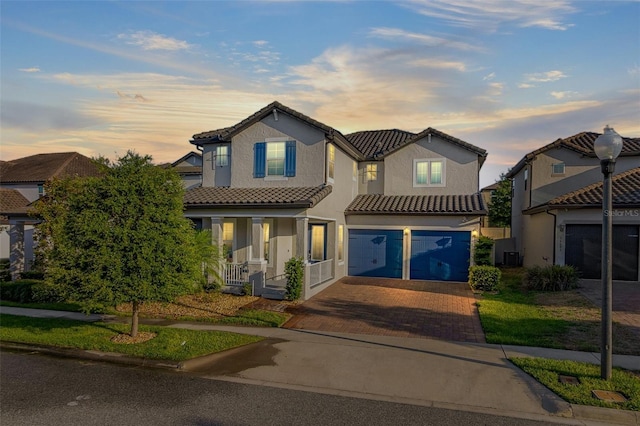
(361, 145)
(625, 192)
(11, 200)
(417, 204)
(284, 197)
(42, 167)
(582, 143)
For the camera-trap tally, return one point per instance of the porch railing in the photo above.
(234, 273)
(320, 272)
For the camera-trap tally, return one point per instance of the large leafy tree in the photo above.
(500, 204)
(120, 238)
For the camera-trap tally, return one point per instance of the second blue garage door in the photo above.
(440, 255)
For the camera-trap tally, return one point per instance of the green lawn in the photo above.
(547, 372)
(169, 344)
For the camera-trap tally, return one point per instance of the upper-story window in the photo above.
(222, 156)
(40, 190)
(274, 158)
(371, 172)
(526, 179)
(331, 161)
(355, 171)
(557, 169)
(429, 172)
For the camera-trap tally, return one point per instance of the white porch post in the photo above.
(257, 264)
(216, 232)
(257, 239)
(302, 238)
(16, 253)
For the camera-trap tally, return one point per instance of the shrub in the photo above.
(294, 271)
(482, 251)
(551, 278)
(485, 278)
(247, 289)
(5, 272)
(20, 291)
(41, 292)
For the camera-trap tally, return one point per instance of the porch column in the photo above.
(216, 232)
(16, 247)
(257, 265)
(302, 238)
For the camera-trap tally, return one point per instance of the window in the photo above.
(222, 156)
(227, 241)
(526, 179)
(317, 249)
(372, 172)
(355, 171)
(266, 234)
(331, 161)
(557, 169)
(428, 172)
(340, 243)
(274, 159)
(40, 190)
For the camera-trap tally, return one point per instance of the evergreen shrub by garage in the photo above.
(294, 271)
(482, 251)
(28, 291)
(485, 278)
(551, 278)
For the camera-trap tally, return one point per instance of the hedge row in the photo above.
(28, 291)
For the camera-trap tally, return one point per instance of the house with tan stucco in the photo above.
(384, 203)
(557, 207)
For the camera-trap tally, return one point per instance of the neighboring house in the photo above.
(388, 203)
(22, 182)
(189, 167)
(557, 207)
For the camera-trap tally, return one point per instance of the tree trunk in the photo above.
(134, 319)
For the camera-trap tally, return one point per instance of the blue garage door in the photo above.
(374, 253)
(440, 255)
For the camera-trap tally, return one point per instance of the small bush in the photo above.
(485, 278)
(294, 271)
(5, 271)
(551, 278)
(20, 291)
(42, 292)
(247, 289)
(482, 251)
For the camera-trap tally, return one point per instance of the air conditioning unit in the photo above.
(511, 258)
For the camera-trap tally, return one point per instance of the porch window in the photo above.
(428, 172)
(317, 242)
(227, 241)
(266, 233)
(355, 171)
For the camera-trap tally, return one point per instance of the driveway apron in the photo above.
(393, 307)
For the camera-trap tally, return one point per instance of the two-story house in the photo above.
(557, 207)
(21, 183)
(386, 203)
(189, 168)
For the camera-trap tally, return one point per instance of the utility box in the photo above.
(511, 258)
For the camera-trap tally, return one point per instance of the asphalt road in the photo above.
(43, 390)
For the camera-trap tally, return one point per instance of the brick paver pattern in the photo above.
(393, 307)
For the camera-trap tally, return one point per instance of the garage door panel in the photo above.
(440, 255)
(375, 253)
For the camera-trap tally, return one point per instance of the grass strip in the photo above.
(547, 372)
(169, 344)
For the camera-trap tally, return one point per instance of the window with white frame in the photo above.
(227, 241)
(371, 172)
(275, 159)
(331, 162)
(355, 171)
(40, 190)
(429, 172)
(317, 243)
(557, 168)
(222, 156)
(266, 233)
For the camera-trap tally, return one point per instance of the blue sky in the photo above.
(506, 75)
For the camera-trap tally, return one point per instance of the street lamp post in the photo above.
(607, 147)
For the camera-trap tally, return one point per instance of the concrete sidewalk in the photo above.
(429, 372)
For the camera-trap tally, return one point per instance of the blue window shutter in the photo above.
(259, 160)
(290, 159)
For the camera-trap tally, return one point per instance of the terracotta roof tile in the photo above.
(372, 143)
(417, 204)
(11, 200)
(625, 192)
(286, 197)
(42, 167)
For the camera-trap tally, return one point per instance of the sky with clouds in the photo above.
(508, 76)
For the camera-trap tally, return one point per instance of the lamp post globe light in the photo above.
(607, 147)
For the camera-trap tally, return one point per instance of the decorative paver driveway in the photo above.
(392, 307)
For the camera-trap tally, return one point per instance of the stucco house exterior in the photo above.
(21, 183)
(189, 168)
(557, 207)
(384, 203)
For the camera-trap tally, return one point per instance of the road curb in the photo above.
(608, 415)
